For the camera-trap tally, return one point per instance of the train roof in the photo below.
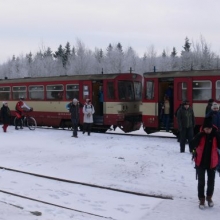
(65, 78)
(175, 74)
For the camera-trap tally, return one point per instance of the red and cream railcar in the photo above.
(49, 95)
(196, 86)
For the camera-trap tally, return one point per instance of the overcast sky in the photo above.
(28, 25)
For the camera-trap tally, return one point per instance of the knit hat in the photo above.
(215, 106)
(211, 101)
(4, 102)
(185, 102)
(75, 100)
(207, 122)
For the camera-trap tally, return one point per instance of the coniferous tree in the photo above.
(173, 53)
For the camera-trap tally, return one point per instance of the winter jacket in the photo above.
(185, 118)
(74, 110)
(5, 114)
(206, 146)
(215, 117)
(88, 111)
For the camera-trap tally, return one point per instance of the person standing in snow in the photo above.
(209, 106)
(88, 111)
(186, 123)
(5, 116)
(215, 114)
(206, 145)
(73, 108)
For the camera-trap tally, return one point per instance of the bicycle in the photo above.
(26, 120)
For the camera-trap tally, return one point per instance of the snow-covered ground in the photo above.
(143, 164)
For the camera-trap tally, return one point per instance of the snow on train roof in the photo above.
(182, 73)
(66, 77)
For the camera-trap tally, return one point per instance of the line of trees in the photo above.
(78, 59)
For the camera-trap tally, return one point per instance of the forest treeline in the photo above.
(78, 59)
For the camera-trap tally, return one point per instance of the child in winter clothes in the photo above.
(5, 115)
(206, 144)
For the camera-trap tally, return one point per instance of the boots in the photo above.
(209, 200)
(202, 203)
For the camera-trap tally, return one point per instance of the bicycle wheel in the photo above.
(31, 123)
(16, 123)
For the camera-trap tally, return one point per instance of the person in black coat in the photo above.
(5, 116)
(186, 123)
(205, 153)
(73, 108)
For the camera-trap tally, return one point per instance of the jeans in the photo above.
(166, 121)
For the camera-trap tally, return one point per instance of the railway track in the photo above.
(115, 133)
(45, 186)
(87, 184)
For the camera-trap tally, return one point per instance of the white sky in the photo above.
(142, 164)
(28, 25)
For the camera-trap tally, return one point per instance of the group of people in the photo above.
(204, 146)
(6, 113)
(88, 111)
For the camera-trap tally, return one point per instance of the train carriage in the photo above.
(196, 86)
(49, 95)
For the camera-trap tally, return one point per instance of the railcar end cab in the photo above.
(196, 86)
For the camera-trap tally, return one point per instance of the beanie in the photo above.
(75, 100)
(185, 102)
(215, 106)
(207, 122)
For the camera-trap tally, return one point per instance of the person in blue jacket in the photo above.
(215, 114)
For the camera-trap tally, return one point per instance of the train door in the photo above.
(182, 91)
(97, 101)
(150, 116)
(165, 94)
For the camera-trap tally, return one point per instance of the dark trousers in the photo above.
(186, 134)
(166, 121)
(201, 182)
(87, 127)
(19, 122)
(75, 122)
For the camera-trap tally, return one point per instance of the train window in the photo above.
(125, 90)
(85, 92)
(111, 90)
(149, 90)
(54, 92)
(202, 90)
(72, 91)
(5, 92)
(36, 92)
(137, 90)
(217, 96)
(182, 91)
(19, 91)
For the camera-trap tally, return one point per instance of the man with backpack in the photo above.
(206, 145)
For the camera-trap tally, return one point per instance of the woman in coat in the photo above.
(5, 115)
(88, 111)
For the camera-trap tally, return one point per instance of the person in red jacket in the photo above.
(206, 144)
(20, 108)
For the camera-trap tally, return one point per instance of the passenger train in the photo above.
(195, 86)
(129, 99)
(48, 97)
